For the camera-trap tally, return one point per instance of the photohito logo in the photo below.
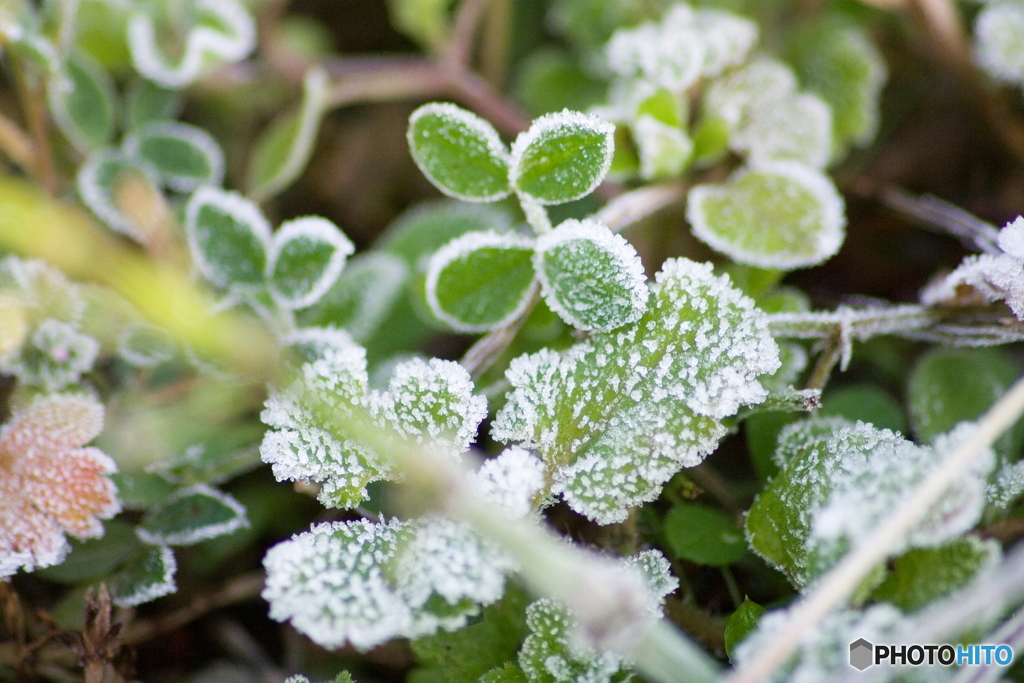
(864, 654)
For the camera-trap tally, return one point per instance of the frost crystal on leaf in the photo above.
(49, 484)
(592, 278)
(615, 416)
(510, 481)
(185, 156)
(362, 583)
(671, 56)
(999, 40)
(56, 355)
(664, 150)
(431, 402)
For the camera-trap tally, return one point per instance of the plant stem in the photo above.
(636, 205)
(32, 97)
(840, 582)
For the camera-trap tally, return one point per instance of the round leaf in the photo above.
(703, 535)
(780, 215)
(306, 257)
(185, 156)
(228, 237)
(192, 515)
(147, 576)
(741, 624)
(562, 157)
(108, 181)
(81, 97)
(591, 278)
(459, 152)
(480, 281)
(146, 101)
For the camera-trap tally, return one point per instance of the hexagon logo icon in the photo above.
(861, 654)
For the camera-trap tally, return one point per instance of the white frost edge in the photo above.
(166, 586)
(60, 84)
(475, 123)
(1011, 238)
(99, 202)
(140, 360)
(239, 521)
(232, 203)
(318, 229)
(195, 136)
(833, 220)
(460, 246)
(550, 123)
(510, 481)
(314, 100)
(391, 273)
(149, 61)
(992, 23)
(621, 250)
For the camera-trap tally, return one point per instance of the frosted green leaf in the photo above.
(615, 416)
(665, 150)
(755, 86)
(362, 584)
(923, 575)
(510, 481)
(363, 295)
(703, 535)
(510, 673)
(670, 54)
(427, 227)
(480, 281)
(727, 38)
(192, 515)
(42, 290)
(146, 101)
(797, 128)
(147, 576)
(999, 41)
(56, 354)
(741, 624)
(184, 156)
(228, 236)
(221, 31)
(838, 62)
(306, 258)
(459, 152)
(95, 557)
(144, 345)
(283, 150)
(824, 653)
(590, 277)
(100, 181)
(550, 654)
(562, 157)
(81, 98)
(780, 215)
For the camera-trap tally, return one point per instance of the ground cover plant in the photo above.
(513, 342)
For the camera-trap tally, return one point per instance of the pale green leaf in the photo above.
(427, 227)
(459, 152)
(306, 257)
(283, 150)
(144, 345)
(228, 236)
(780, 215)
(590, 277)
(999, 40)
(480, 281)
(146, 101)
(615, 416)
(104, 180)
(665, 150)
(192, 515)
(147, 576)
(562, 157)
(81, 98)
(184, 156)
(425, 21)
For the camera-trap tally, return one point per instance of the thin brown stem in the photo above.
(32, 98)
(16, 144)
(827, 360)
(467, 21)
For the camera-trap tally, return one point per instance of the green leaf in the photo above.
(427, 227)
(459, 152)
(145, 346)
(703, 535)
(741, 624)
(283, 150)
(228, 236)
(109, 180)
(927, 574)
(480, 281)
(948, 386)
(192, 515)
(306, 258)
(762, 430)
(425, 21)
(779, 215)
(590, 277)
(865, 402)
(664, 150)
(510, 673)
(147, 576)
(562, 157)
(81, 98)
(550, 80)
(146, 101)
(94, 557)
(184, 156)
(614, 417)
(551, 653)
(142, 490)
(471, 652)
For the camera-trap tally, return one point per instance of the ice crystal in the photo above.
(361, 583)
(41, 290)
(429, 401)
(510, 481)
(992, 277)
(49, 484)
(56, 355)
(615, 416)
(664, 150)
(998, 33)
